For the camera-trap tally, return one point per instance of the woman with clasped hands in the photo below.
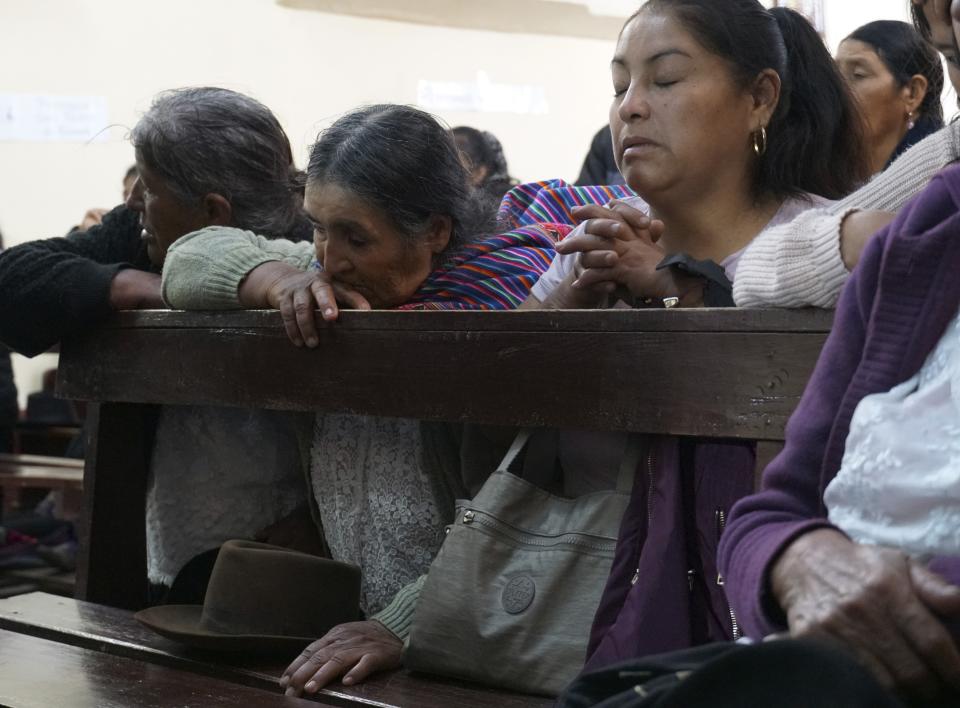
(726, 120)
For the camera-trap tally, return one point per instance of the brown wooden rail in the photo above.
(706, 373)
(736, 373)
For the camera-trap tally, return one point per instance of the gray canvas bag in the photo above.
(511, 595)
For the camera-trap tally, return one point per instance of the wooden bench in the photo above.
(38, 673)
(61, 474)
(42, 439)
(114, 632)
(705, 373)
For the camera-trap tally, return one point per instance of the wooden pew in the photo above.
(38, 673)
(706, 373)
(18, 472)
(115, 632)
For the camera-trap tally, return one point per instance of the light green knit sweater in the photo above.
(204, 269)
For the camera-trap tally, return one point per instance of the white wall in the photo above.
(309, 67)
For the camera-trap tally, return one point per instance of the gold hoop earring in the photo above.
(760, 142)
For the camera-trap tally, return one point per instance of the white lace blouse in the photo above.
(899, 482)
(376, 502)
(218, 474)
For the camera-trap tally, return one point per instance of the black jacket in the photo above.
(54, 288)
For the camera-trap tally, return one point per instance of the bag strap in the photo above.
(628, 466)
(516, 447)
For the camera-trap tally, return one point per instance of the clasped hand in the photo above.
(618, 252)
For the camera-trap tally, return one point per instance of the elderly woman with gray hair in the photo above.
(205, 156)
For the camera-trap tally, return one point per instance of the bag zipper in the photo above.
(651, 482)
(583, 540)
(721, 525)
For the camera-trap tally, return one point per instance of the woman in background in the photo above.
(807, 262)
(483, 156)
(897, 77)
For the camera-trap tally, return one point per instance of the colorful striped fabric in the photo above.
(552, 202)
(495, 273)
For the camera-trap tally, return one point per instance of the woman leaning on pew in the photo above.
(405, 233)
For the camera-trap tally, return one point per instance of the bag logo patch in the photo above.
(518, 594)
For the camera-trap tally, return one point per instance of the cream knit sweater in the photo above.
(799, 264)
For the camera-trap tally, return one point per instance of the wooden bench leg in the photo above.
(111, 567)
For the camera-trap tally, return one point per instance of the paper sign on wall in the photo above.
(482, 96)
(47, 119)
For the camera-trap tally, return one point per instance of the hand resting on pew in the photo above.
(297, 294)
(133, 289)
(354, 650)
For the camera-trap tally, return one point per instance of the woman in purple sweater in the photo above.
(853, 538)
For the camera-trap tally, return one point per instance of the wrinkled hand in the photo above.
(356, 649)
(297, 294)
(875, 602)
(92, 218)
(619, 251)
(136, 290)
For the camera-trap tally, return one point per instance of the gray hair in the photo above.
(213, 140)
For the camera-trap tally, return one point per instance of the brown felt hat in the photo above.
(264, 599)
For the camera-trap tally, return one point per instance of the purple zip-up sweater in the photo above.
(894, 310)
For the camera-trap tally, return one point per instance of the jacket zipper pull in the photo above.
(651, 483)
(721, 525)
(734, 624)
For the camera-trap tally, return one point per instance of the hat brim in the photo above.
(181, 623)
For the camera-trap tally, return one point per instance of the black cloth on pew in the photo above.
(54, 288)
(785, 674)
